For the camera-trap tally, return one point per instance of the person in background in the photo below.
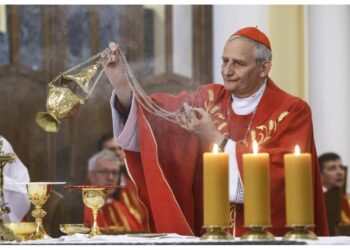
(129, 192)
(15, 196)
(333, 176)
(104, 170)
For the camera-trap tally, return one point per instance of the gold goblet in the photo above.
(38, 193)
(94, 198)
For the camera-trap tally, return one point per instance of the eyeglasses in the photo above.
(106, 173)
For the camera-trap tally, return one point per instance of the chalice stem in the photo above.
(38, 213)
(95, 230)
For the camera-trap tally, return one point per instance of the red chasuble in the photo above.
(168, 170)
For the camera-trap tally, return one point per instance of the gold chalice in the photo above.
(94, 198)
(38, 193)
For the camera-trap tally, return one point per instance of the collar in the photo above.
(245, 106)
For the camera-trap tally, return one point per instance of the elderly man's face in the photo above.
(242, 76)
(333, 174)
(106, 173)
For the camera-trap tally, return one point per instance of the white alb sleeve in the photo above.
(15, 194)
(235, 181)
(125, 134)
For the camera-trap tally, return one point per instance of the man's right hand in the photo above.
(114, 71)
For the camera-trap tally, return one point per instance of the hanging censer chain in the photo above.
(142, 97)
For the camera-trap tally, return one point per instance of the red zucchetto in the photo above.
(254, 34)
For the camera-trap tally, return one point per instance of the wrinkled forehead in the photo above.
(108, 163)
(239, 48)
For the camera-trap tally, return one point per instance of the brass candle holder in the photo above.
(94, 198)
(300, 232)
(257, 233)
(6, 234)
(216, 233)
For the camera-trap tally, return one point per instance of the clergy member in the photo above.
(165, 159)
(333, 176)
(15, 195)
(117, 214)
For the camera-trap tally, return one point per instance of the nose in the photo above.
(111, 176)
(227, 70)
(340, 171)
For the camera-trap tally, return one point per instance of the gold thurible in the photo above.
(69, 90)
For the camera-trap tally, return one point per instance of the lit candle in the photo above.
(299, 202)
(215, 195)
(256, 182)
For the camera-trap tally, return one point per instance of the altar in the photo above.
(170, 239)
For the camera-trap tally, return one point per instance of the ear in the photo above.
(265, 69)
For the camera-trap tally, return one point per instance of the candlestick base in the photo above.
(216, 233)
(300, 232)
(257, 233)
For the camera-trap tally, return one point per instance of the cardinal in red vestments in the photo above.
(165, 159)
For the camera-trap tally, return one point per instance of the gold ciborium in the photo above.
(94, 198)
(22, 229)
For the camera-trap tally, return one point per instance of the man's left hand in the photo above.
(199, 122)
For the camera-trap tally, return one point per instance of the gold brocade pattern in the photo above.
(263, 133)
(218, 118)
(125, 222)
(132, 210)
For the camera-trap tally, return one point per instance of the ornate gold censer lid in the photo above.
(69, 90)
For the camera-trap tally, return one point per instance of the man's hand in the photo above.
(199, 122)
(114, 71)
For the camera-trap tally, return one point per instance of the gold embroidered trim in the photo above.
(263, 133)
(218, 118)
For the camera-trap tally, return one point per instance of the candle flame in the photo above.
(255, 147)
(297, 150)
(215, 149)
